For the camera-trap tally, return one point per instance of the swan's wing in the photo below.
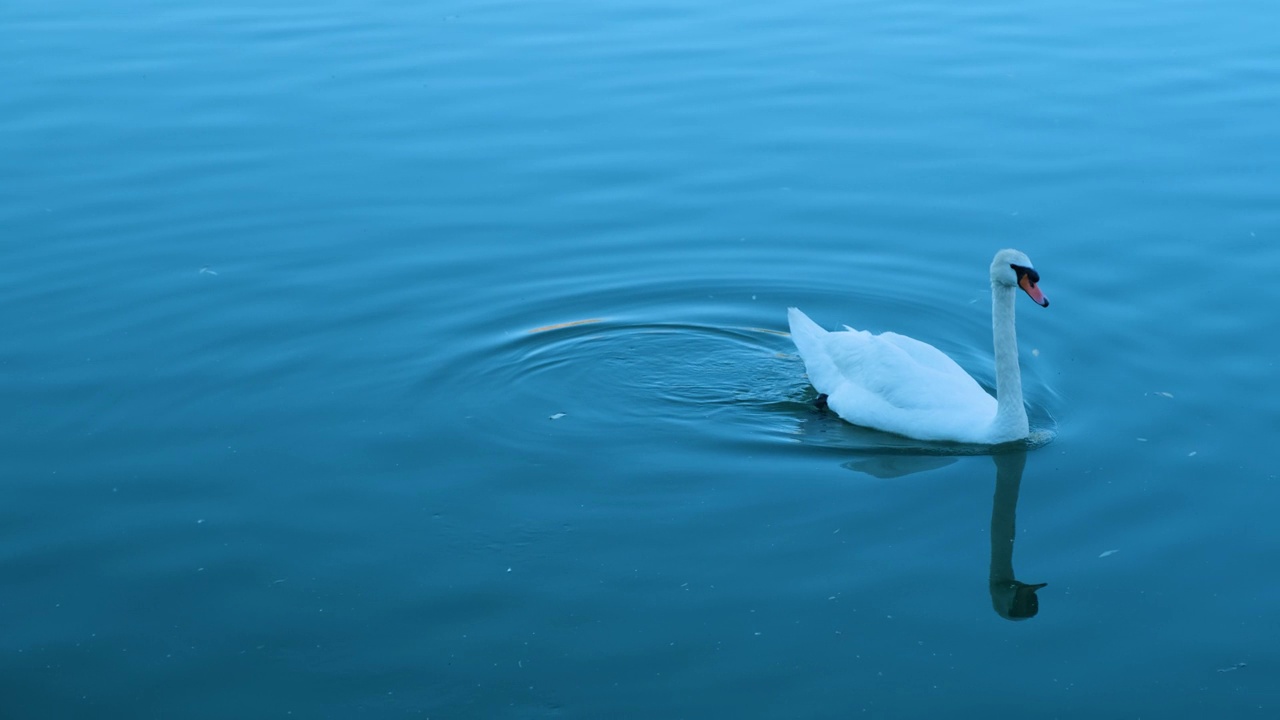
(902, 372)
(926, 354)
(892, 382)
(900, 385)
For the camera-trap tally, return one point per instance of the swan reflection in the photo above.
(1011, 598)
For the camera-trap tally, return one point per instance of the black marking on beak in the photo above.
(1030, 273)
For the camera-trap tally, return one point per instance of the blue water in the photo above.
(429, 359)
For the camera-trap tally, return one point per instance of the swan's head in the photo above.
(1013, 267)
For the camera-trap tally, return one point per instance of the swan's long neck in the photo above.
(1011, 416)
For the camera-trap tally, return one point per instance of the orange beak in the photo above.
(1033, 291)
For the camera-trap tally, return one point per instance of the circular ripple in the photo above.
(641, 375)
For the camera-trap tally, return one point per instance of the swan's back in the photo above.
(892, 382)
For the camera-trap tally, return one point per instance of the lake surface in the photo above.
(429, 359)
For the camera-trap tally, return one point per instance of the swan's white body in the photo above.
(900, 385)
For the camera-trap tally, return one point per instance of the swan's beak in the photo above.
(1026, 283)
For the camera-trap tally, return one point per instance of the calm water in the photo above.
(427, 359)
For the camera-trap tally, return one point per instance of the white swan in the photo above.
(893, 383)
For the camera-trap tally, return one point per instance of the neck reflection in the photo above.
(1010, 598)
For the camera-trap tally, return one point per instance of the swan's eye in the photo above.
(1029, 273)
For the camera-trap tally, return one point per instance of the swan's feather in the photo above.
(892, 382)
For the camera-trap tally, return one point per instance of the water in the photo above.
(426, 360)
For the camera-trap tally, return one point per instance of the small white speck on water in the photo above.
(557, 416)
(508, 569)
(1191, 454)
(1142, 439)
(1108, 552)
(1162, 393)
(1035, 352)
(200, 521)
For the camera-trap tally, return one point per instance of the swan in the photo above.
(897, 384)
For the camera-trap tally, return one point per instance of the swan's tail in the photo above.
(803, 327)
(810, 340)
